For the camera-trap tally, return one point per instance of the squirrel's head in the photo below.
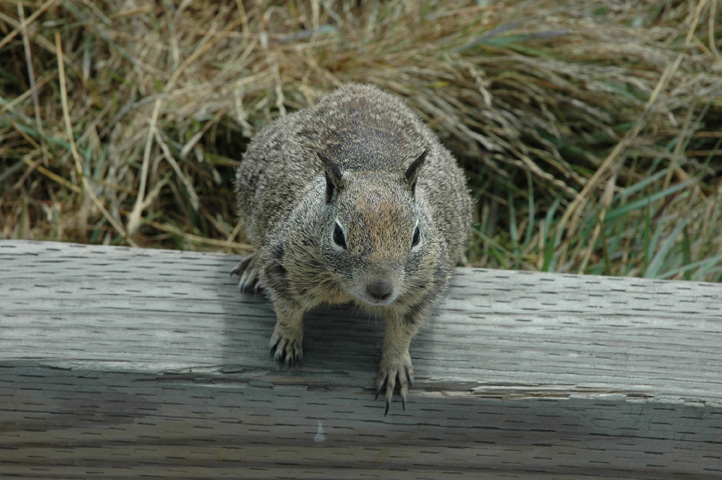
(374, 235)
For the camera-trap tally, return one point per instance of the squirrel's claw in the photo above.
(388, 377)
(287, 353)
(242, 265)
(248, 271)
(286, 350)
(380, 382)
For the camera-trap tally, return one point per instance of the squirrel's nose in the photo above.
(380, 289)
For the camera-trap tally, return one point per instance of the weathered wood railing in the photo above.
(125, 363)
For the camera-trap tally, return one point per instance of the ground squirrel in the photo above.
(352, 199)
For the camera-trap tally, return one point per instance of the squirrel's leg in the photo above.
(286, 341)
(395, 359)
(247, 269)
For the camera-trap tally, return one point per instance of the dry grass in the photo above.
(590, 131)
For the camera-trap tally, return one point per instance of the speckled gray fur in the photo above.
(325, 238)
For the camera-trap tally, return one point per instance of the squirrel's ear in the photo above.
(413, 171)
(334, 178)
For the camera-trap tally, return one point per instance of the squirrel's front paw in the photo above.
(247, 269)
(393, 370)
(286, 347)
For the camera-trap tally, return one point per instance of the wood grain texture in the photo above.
(130, 363)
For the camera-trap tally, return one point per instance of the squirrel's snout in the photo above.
(379, 290)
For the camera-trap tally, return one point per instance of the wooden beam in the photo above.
(124, 363)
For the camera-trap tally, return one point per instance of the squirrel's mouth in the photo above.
(374, 302)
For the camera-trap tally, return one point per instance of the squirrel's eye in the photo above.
(416, 238)
(338, 237)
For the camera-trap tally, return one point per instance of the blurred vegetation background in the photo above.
(590, 131)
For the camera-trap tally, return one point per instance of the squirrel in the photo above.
(352, 199)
